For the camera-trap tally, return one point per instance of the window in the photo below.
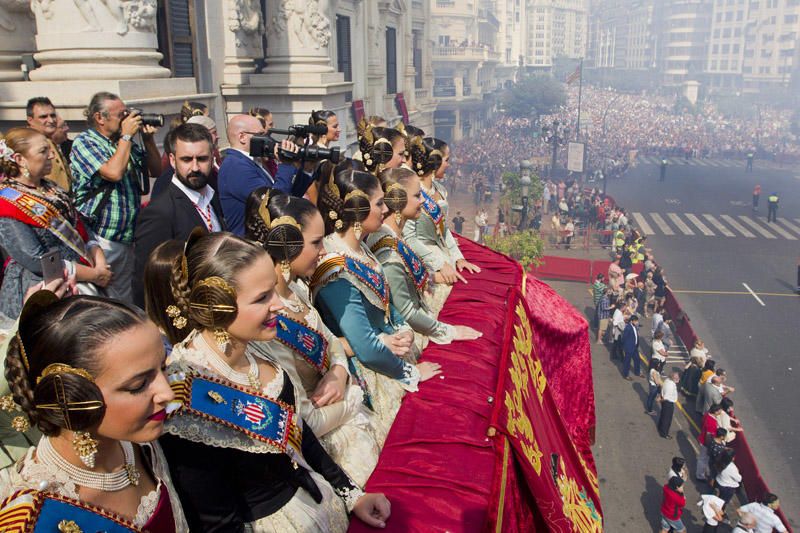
(391, 60)
(715, 49)
(726, 48)
(417, 36)
(175, 29)
(344, 59)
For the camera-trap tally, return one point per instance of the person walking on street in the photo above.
(711, 506)
(756, 197)
(749, 167)
(669, 395)
(630, 346)
(728, 477)
(672, 506)
(604, 309)
(458, 223)
(654, 382)
(663, 171)
(772, 206)
(618, 325)
(762, 513)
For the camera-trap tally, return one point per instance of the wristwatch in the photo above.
(126, 137)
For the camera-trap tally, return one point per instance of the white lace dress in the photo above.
(29, 474)
(345, 428)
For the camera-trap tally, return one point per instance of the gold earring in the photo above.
(357, 230)
(25, 172)
(222, 338)
(398, 217)
(85, 446)
(286, 270)
(175, 314)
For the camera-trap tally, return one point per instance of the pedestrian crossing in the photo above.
(708, 225)
(710, 163)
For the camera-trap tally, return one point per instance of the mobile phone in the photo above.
(52, 266)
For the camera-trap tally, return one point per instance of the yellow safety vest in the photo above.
(773, 199)
(619, 238)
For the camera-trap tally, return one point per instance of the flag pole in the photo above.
(580, 90)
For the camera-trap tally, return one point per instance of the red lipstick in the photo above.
(159, 416)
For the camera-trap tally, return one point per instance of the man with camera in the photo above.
(110, 173)
(240, 173)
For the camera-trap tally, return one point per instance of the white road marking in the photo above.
(696, 221)
(701, 162)
(738, 227)
(782, 232)
(686, 230)
(717, 224)
(759, 300)
(752, 223)
(662, 224)
(785, 222)
(645, 227)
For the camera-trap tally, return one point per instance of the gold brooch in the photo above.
(69, 526)
(20, 423)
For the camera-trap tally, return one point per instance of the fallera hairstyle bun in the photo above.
(427, 155)
(376, 145)
(393, 182)
(17, 140)
(344, 198)
(53, 359)
(276, 220)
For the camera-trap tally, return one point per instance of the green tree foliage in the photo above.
(533, 96)
(527, 247)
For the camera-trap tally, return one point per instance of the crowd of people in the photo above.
(229, 355)
(622, 299)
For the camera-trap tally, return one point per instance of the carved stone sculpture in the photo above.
(245, 21)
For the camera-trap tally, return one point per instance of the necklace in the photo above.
(221, 367)
(115, 481)
(293, 303)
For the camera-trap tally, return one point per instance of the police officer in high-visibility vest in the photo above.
(663, 175)
(772, 205)
(619, 240)
(749, 167)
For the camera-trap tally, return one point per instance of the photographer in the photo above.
(240, 173)
(109, 171)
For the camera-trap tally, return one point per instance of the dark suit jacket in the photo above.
(630, 339)
(171, 215)
(239, 176)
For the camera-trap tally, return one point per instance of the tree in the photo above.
(533, 96)
(526, 247)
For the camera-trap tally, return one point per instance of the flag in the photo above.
(574, 76)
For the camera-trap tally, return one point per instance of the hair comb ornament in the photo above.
(6, 153)
(61, 368)
(263, 208)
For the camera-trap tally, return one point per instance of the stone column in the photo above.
(244, 27)
(16, 37)
(96, 40)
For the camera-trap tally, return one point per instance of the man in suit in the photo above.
(240, 174)
(43, 118)
(630, 346)
(188, 202)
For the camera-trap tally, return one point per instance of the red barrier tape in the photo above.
(569, 269)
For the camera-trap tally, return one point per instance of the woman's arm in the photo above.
(23, 245)
(412, 231)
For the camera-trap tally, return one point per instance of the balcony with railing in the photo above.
(422, 94)
(460, 53)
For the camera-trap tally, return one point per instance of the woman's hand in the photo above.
(398, 344)
(428, 370)
(463, 264)
(330, 388)
(466, 333)
(348, 351)
(450, 275)
(373, 509)
(60, 287)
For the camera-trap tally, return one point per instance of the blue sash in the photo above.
(308, 342)
(434, 212)
(32, 511)
(257, 416)
(413, 265)
(369, 277)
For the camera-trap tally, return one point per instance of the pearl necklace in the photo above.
(220, 366)
(293, 303)
(112, 482)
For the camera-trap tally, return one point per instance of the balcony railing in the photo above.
(444, 91)
(461, 53)
(422, 94)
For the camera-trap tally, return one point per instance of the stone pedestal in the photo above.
(242, 36)
(85, 40)
(16, 37)
(298, 76)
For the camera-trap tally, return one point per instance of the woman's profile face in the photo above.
(257, 302)
(304, 264)
(134, 387)
(413, 207)
(398, 154)
(377, 212)
(445, 163)
(334, 130)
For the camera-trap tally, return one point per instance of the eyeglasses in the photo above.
(255, 132)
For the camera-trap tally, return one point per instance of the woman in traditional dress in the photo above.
(37, 217)
(406, 273)
(353, 296)
(88, 373)
(429, 235)
(240, 454)
(380, 148)
(291, 230)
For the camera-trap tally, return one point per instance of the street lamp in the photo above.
(555, 135)
(525, 180)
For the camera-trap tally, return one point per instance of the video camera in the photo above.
(264, 145)
(148, 119)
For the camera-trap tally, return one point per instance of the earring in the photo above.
(357, 230)
(175, 314)
(222, 337)
(25, 172)
(286, 270)
(85, 446)
(398, 217)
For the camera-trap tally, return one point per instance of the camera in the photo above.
(264, 146)
(148, 119)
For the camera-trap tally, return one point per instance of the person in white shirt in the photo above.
(747, 524)
(728, 477)
(669, 395)
(764, 514)
(711, 505)
(659, 351)
(618, 326)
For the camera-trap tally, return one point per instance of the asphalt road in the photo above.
(758, 344)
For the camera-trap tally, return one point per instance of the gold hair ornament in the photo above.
(61, 368)
(355, 193)
(23, 353)
(263, 209)
(174, 312)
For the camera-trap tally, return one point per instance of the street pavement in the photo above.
(734, 275)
